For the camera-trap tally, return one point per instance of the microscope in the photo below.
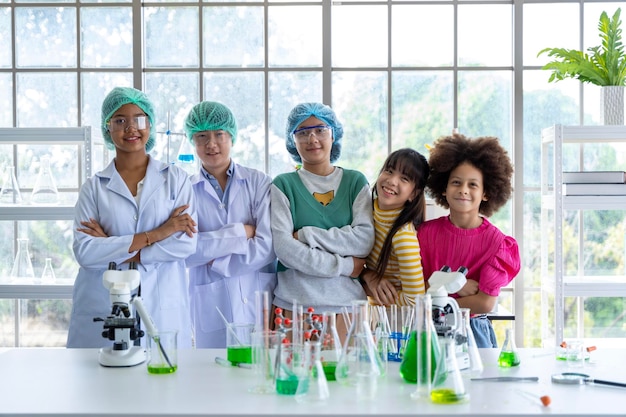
(446, 312)
(120, 326)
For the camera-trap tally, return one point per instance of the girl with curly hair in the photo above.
(471, 178)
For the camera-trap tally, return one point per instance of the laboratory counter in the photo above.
(64, 382)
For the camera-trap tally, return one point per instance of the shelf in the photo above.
(585, 134)
(62, 290)
(594, 202)
(598, 286)
(44, 136)
(36, 212)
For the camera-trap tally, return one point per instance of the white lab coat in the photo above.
(227, 267)
(106, 198)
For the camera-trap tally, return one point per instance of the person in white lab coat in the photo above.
(137, 209)
(234, 256)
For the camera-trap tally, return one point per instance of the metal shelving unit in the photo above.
(553, 202)
(87, 152)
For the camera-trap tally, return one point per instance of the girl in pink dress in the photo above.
(472, 178)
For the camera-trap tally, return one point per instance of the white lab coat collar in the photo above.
(239, 176)
(151, 182)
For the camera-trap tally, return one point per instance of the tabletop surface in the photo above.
(57, 381)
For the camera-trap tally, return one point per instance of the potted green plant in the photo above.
(604, 66)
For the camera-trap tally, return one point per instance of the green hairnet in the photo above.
(210, 115)
(116, 99)
(320, 111)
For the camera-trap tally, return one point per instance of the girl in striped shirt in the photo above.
(393, 273)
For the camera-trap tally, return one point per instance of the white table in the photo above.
(57, 381)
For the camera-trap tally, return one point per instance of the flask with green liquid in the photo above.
(508, 355)
(422, 349)
(448, 387)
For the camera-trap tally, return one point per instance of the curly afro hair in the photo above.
(484, 153)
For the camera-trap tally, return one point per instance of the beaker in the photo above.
(312, 386)
(10, 192)
(467, 350)
(163, 352)
(239, 343)
(45, 190)
(360, 364)
(265, 344)
(22, 266)
(508, 355)
(422, 349)
(48, 276)
(185, 158)
(448, 387)
(330, 349)
(289, 367)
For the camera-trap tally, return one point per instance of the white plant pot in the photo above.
(612, 105)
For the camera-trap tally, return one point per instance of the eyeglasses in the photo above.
(320, 132)
(220, 137)
(117, 124)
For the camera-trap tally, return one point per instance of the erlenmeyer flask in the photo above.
(186, 158)
(312, 387)
(422, 349)
(48, 276)
(448, 387)
(508, 355)
(381, 333)
(22, 266)
(45, 190)
(360, 364)
(330, 349)
(10, 193)
(467, 348)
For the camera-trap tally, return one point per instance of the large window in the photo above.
(398, 73)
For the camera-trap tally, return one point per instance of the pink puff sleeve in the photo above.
(501, 269)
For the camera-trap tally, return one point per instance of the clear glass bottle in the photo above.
(48, 276)
(45, 190)
(186, 158)
(508, 354)
(312, 387)
(330, 349)
(360, 364)
(466, 345)
(22, 266)
(448, 386)
(10, 192)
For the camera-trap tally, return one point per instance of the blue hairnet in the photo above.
(210, 115)
(118, 97)
(320, 111)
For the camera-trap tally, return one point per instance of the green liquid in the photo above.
(408, 367)
(446, 396)
(162, 369)
(508, 359)
(287, 386)
(329, 370)
(239, 354)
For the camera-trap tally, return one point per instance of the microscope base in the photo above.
(120, 358)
